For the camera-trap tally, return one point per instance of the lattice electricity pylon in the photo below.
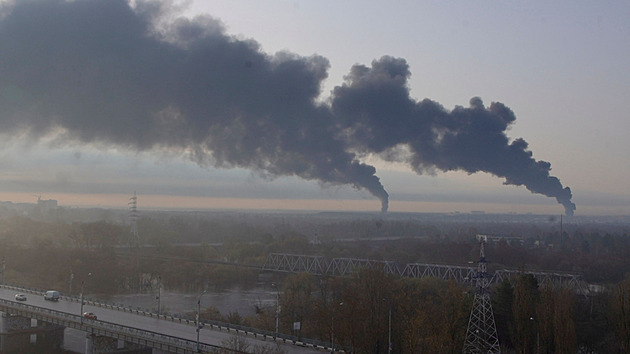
(133, 217)
(481, 335)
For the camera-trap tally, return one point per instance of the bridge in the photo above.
(120, 327)
(319, 265)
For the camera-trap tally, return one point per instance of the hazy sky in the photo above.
(298, 105)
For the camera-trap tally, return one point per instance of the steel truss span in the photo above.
(320, 265)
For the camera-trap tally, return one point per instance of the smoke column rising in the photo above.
(380, 117)
(107, 73)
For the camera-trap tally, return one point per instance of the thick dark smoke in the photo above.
(380, 117)
(103, 72)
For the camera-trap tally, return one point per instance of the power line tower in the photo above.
(134, 239)
(481, 335)
(133, 217)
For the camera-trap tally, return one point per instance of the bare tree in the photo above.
(526, 297)
(621, 305)
(236, 343)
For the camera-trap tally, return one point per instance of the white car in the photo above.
(20, 297)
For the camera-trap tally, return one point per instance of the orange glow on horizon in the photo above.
(120, 201)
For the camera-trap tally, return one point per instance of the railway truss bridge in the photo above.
(319, 265)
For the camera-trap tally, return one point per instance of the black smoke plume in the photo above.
(379, 117)
(105, 72)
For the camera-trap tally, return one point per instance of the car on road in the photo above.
(51, 295)
(20, 297)
(89, 315)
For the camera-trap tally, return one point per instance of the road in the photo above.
(153, 324)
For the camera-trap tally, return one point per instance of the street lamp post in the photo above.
(198, 315)
(277, 308)
(82, 284)
(159, 295)
(537, 334)
(389, 328)
(70, 282)
(81, 311)
(332, 330)
(389, 331)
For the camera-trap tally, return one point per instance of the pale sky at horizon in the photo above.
(560, 66)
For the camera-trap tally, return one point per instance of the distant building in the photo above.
(510, 240)
(46, 205)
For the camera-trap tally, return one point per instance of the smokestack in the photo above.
(104, 72)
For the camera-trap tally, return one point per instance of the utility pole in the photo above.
(277, 307)
(82, 284)
(481, 335)
(81, 311)
(197, 322)
(70, 282)
(389, 331)
(332, 328)
(159, 294)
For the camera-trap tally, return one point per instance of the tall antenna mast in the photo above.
(481, 335)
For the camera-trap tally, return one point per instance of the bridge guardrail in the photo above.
(216, 325)
(107, 328)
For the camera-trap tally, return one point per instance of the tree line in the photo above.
(428, 315)
(431, 316)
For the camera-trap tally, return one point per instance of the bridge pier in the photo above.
(17, 333)
(89, 343)
(101, 345)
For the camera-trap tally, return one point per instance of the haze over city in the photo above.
(428, 107)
